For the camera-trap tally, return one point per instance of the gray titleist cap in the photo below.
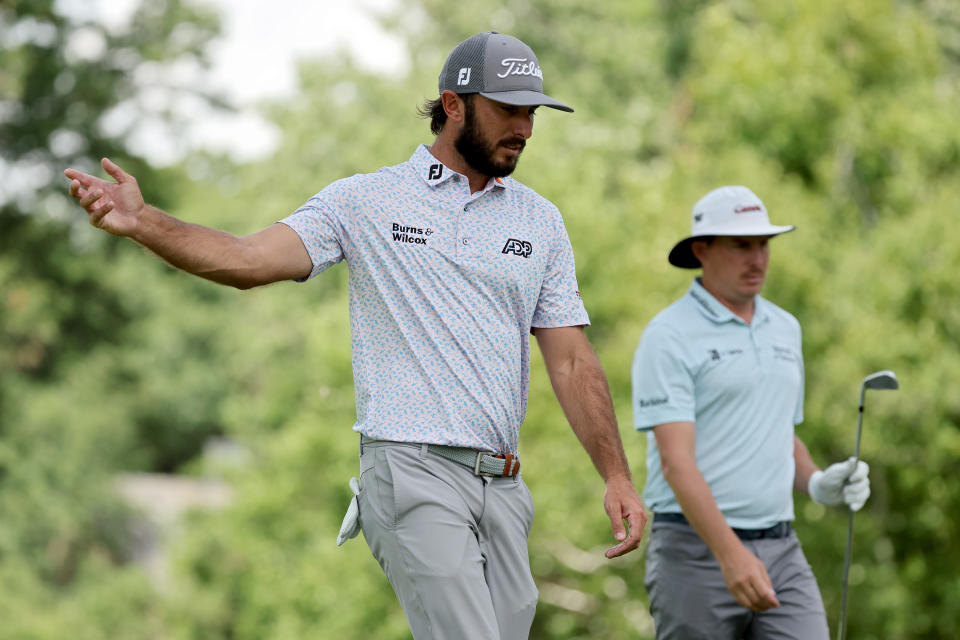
(498, 67)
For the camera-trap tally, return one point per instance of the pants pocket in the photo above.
(377, 495)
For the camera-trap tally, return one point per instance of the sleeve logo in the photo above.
(646, 403)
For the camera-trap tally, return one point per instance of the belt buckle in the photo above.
(511, 464)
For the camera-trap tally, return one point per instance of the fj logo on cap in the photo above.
(436, 170)
(464, 77)
(518, 247)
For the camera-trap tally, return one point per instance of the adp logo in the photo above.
(518, 247)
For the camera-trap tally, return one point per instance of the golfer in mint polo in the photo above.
(718, 387)
(452, 265)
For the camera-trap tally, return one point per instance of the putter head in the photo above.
(881, 380)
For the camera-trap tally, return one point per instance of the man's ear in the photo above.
(454, 106)
(698, 248)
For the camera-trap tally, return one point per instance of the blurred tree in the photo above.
(71, 92)
(74, 404)
(842, 118)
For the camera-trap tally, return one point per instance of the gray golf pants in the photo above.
(452, 544)
(689, 599)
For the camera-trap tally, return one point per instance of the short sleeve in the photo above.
(320, 231)
(663, 387)
(559, 303)
(798, 413)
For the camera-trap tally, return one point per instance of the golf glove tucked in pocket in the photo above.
(351, 521)
(841, 483)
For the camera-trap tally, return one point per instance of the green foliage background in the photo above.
(842, 116)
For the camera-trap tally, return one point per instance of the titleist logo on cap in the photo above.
(520, 67)
(498, 67)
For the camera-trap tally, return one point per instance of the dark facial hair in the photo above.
(477, 151)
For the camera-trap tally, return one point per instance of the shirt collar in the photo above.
(716, 312)
(434, 172)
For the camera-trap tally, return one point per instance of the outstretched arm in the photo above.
(273, 254)
(583, 393)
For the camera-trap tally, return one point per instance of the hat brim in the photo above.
(682, 253)
(526, 99)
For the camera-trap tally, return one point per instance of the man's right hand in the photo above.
(747, 580)
(269, 255)
(114, 207)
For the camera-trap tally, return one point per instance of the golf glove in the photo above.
(351, 521)
(841, 483)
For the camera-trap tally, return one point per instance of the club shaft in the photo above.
(878, 380)
(841, 629)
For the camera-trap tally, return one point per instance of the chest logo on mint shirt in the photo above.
(518, 247)
(716, 355)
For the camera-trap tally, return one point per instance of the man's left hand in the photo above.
(846, 482)
(622, 503)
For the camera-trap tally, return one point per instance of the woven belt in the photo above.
(482, 463)
(779, 530)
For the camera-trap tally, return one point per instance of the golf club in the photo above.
(878, 380)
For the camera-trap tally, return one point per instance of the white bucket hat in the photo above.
(726, 211)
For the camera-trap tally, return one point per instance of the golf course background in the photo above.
(843, 117)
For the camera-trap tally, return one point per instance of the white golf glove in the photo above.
(351, 521)
(841, 483)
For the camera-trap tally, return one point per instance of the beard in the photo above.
(478, 152)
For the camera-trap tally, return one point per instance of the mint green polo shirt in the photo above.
(741, 385)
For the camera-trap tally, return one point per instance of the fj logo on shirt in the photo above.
(518, 247)
(436, 170)
(410, 235)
